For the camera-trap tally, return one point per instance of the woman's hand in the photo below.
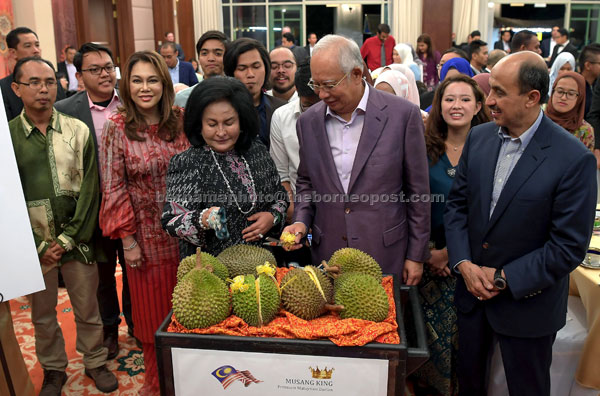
(438, 263)
(133, 257)
(263, 222)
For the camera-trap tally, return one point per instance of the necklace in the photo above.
(455, 148)
(229, 187)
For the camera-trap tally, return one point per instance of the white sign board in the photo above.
(20, 271)
(221, 373)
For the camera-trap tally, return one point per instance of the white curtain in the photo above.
(406, 20)
(465, 19)
(208, 15)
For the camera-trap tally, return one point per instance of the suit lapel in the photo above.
(83, 109)
(375, 120)
(322, 142)
(488, 168)
(528, 163)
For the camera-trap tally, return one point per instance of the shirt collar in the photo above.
(29, 127)
(93, 105)
(526, 136)
(176, 65)
(362, 106)
(297, 107)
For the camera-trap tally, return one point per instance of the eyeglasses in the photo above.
(98, 70)
(287, 65)
(326, 87)
(37, 84)
(569, 94)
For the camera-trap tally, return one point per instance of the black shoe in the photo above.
(105, 380)
(111, 342)
(53, 382)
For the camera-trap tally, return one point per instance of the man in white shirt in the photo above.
(312, 40)
(284, 140)
(68, 68)
(563, 44)
(283, 69)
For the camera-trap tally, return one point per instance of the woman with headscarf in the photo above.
(566, 106)
(564, 62)
(397, 83)
(483, 80)
(413, 91)
(403, 55)
(455, 66)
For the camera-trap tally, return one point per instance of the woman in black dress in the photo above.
(225, 189)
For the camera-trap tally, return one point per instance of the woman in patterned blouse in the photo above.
(566, 107)
(227, 169)
(137, 143)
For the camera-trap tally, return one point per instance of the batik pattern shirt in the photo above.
(59, 177)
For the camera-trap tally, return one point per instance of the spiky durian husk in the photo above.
(200, 300)
(243, 259)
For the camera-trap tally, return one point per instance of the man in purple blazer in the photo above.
(363, 176)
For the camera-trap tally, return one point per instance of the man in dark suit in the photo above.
(170, 38)
(22, 42)
(504, 42)
(69, 70)
(562, 45)
(299, 52)
(311, 40)
(363, 179)
(518, 220)
(547, 45)
(181, 72)
(93, 106)
(247, 60)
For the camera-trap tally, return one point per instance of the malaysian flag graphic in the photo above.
(228, 375)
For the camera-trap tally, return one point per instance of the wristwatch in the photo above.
(499, 280)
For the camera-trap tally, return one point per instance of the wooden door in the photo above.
(108, 23)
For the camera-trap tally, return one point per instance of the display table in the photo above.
(193, 363)
(585, 283)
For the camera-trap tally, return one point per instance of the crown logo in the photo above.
(321, 374)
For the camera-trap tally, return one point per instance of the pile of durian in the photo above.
(242, 279)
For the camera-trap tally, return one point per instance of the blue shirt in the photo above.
(510, 153)
(174, 72)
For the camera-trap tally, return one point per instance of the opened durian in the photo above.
(305, 292)
(256, 299)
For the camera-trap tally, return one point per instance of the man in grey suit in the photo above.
(363, 177)
(94, 64)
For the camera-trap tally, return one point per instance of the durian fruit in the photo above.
(243, 259)
(200, 299)
(256, 299)
(287, 239)
(305, 292)
(188, 263)
(352, 260)
(361, 296)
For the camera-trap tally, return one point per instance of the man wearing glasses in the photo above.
(363, 176)
(22, 42)
(95, 67)
(283, 69)
(57, 163)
